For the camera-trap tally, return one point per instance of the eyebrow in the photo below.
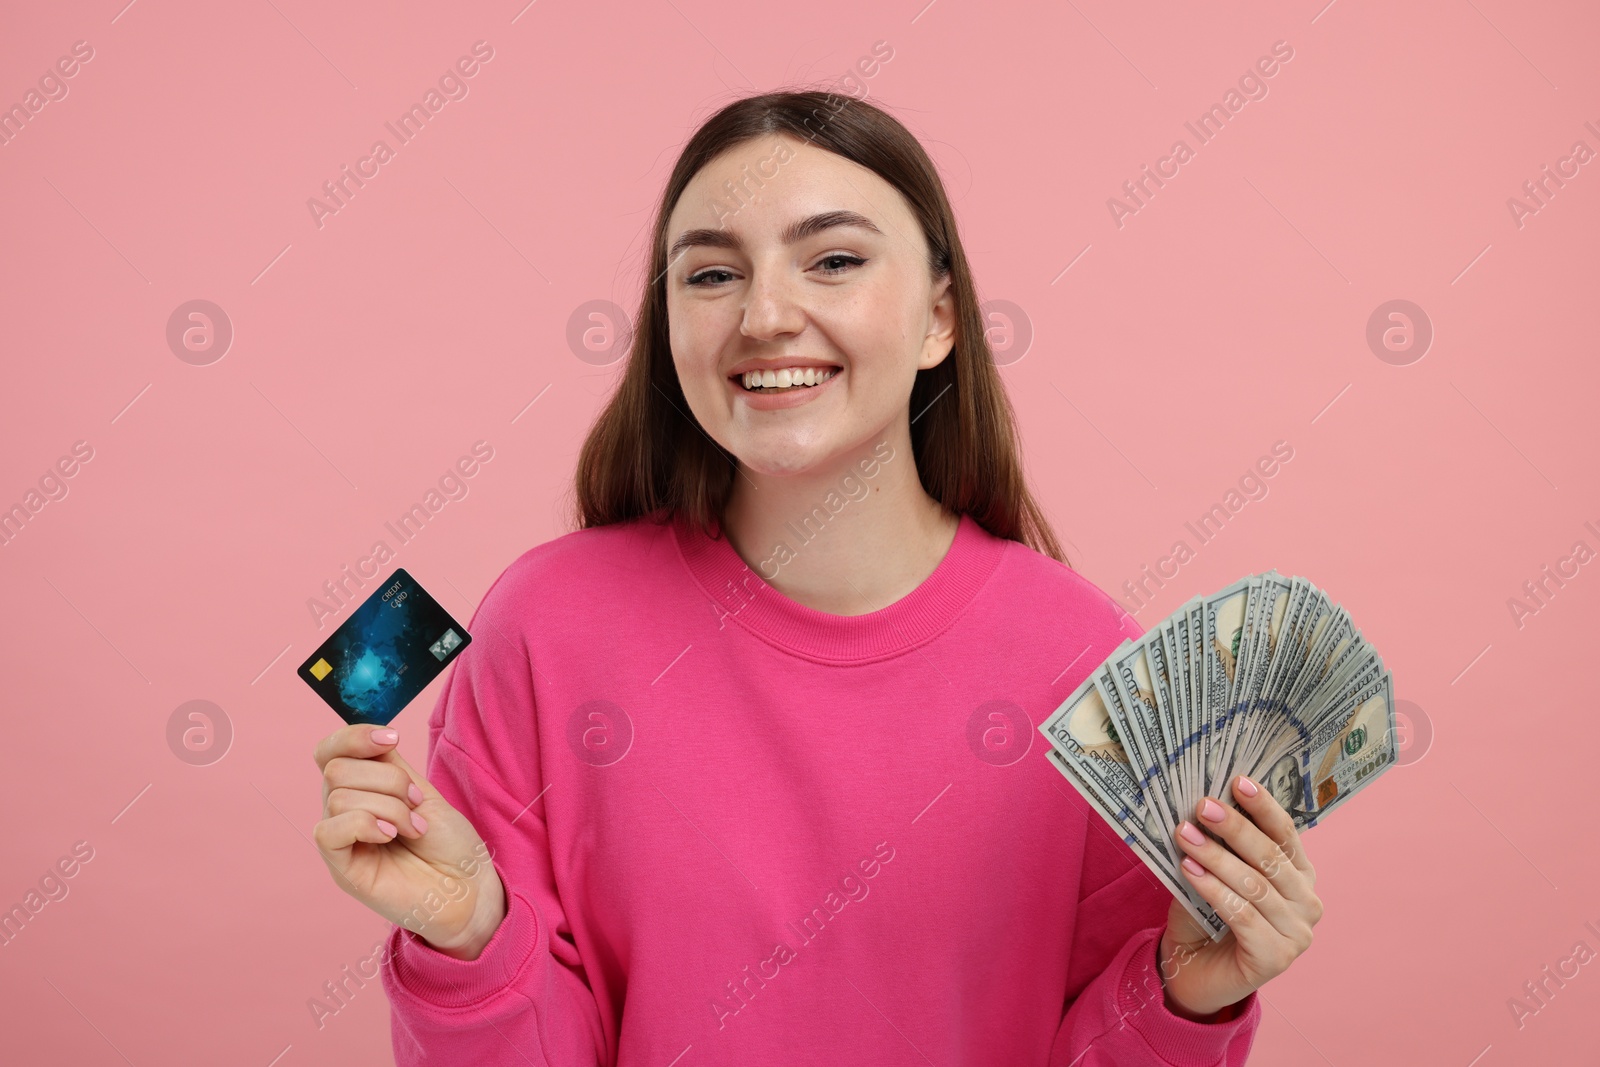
(794, 232)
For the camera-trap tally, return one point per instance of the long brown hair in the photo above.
(647, 455)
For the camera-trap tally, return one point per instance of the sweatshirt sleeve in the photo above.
(1116, 1011)
(1117, 1014)
(526, 999)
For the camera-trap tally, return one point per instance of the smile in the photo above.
(776, 389)
(790, 378)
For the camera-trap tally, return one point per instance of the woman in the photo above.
(740, 771)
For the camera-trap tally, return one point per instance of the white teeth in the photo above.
(788, 377)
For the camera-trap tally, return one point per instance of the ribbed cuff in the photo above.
(442, 981)
(1141, 1000)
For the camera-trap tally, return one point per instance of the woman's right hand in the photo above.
(433, 875)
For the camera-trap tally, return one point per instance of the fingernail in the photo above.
(1191, 833)
(1212, 811)
(414, 793)
(1192, 867)
(419, 822)
(387, 827)
(1247, 787)
(384, 737)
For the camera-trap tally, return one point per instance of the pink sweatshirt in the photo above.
(736, 830)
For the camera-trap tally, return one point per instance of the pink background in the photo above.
(368, 354)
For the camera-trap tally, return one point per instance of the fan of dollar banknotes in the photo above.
(1267, 678)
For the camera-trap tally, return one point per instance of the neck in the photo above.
(847, 539)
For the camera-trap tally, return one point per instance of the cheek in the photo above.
(886, 326)
(695, 341)
(872, 332)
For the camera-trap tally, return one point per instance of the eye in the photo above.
(845, 257)
(714, 276)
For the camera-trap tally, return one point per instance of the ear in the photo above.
(941, 337)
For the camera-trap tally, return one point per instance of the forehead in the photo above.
(763, 186)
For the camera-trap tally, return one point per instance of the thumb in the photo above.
(1184, 929)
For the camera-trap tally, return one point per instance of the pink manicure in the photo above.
(1247, 787)
(414, 793)
(384, 737)
(1191, 833)
(419, 822)
(1212, 811)
(1192, 867)
(387, 827)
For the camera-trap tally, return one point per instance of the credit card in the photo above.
(385, 653)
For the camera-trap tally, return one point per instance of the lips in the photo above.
(778, 363)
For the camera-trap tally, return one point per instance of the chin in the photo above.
(782, 454)
(780, 465)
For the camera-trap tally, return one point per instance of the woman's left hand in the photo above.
(1260, 882)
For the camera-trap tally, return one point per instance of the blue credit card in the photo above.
(384, 654)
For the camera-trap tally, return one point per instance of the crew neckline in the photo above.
(740, 595)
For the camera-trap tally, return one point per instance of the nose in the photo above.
(770, 309)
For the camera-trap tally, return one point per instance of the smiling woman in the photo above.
(826, 326)
(865, 253)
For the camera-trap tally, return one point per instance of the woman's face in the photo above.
(823, 266)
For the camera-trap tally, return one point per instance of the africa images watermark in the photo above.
(1540, 991)
(814, 523)
(1541, 190)
(452, 85)
(740, 994)
(53, 887)
(1211, 122)
(852, 83)
(337, 993)
(1538, 592)
(1251, 485)
(53, 88)
(52, 487)
(339, 593)
(805, 530)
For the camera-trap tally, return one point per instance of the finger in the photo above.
(334, 836)
(1249, 926)
(372, 775)
(359, 741)
(1243, 880)
(1269, 953)
(1275, 822)
(1252, 844)
(392, 810)
(422, 784)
